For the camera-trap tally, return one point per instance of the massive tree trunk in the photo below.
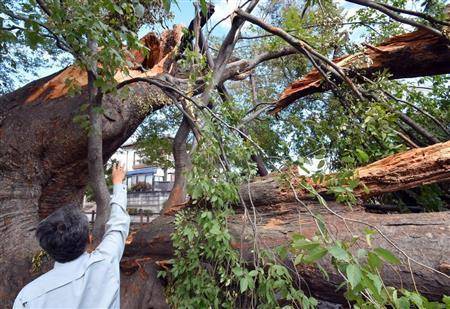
(43, 152)
(423, 237)
(414, 54)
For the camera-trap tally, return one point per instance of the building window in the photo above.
(149, 178)
(137, 160)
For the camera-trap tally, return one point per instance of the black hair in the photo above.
(64, 234)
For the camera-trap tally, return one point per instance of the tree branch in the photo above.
(302, 46)
(389, 12)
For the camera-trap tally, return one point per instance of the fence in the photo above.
(142, 206)
(141, 216)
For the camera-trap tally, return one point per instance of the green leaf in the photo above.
(238, 271)
(166, 4)
(339, 253)
(321, 164)
(362, 156)
(376, 281)
(204, 7)
(118, 9)
(387, 255)
(215, 230)
(373, 260)
(298, 259)
(315, 254)
(353, 275)
(446, 301)
(243, 283)
(305, 244)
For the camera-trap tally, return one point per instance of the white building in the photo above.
(158, 179)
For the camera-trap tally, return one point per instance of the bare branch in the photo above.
(414, 13)
(392, 14)
(225, 51)
(44, 7)
(243, 66)
(302, 46)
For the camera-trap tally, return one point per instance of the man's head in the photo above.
(64, 234)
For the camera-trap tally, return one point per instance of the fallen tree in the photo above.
(280, 213)
(416, 234)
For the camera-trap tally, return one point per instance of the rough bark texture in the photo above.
(408, 55)
(425, 237)
(43, 153)
(140, 287)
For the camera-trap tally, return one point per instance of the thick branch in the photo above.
(422, 236)
(405, 56)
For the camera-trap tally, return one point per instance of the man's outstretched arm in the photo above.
(118, 225)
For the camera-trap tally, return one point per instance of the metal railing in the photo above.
(142, 217)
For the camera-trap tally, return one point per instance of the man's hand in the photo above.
(118, 174)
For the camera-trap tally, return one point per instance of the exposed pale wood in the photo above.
(409, 169)
(159, 59)
(414, 54)
(401, 171)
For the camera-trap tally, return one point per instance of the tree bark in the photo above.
(43, 152)
(182, 165)
(424, 237)
(401, 171)
(414, 54)
(96, 169)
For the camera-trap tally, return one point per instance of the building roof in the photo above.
(146, 170)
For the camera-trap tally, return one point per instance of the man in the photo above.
(80, 279)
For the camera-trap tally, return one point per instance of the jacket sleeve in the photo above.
(18, 302)
(118, 225)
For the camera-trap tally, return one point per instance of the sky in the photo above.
(184, 12)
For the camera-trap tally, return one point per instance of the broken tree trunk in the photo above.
(424, 237)
(43, 150)
(414, 54)
(401, 171)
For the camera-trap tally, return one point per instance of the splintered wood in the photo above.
(408, 55)
(156, 61)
